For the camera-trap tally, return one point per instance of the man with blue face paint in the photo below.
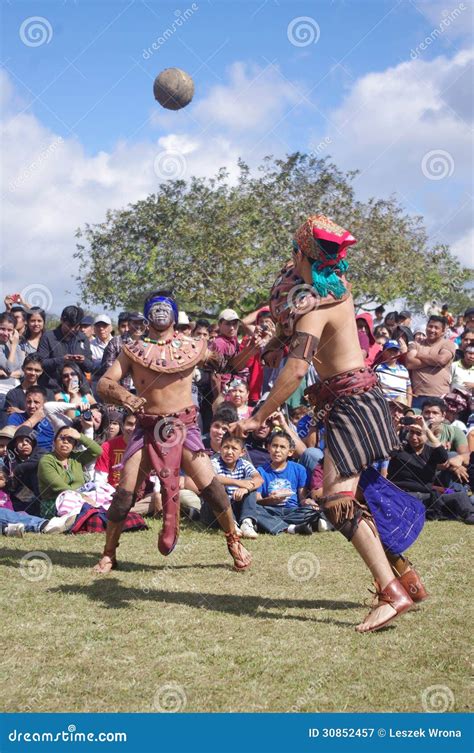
(167, 437)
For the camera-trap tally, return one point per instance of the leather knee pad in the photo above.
(345, 512)
(216, 497)
(122, 502)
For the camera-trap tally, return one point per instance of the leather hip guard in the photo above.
(359, 429)
(164, 437)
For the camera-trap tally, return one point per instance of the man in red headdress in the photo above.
(312, 304)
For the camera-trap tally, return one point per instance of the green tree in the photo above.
(219, 244)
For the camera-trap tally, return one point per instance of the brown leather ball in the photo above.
(173, 88)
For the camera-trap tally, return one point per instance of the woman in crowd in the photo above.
(35, 326)
(238, 396)
(63, 468)
(73, 389)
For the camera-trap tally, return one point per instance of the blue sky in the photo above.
(83, 132)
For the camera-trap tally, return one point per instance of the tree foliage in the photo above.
(220, 244)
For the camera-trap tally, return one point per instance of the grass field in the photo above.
(189, 634)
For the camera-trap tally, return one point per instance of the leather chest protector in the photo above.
(291, 298)
(167, 357)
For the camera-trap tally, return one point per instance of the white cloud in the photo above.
(401, 126)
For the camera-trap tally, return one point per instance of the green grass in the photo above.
(188, 633)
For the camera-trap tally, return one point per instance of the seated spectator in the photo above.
(18, 523)
(21, 464)
(63, 468)
(15, 400)
(108, 465)
(381, 335)
(65, 345)
(430, 364)
(11, 356)
(238, 396)
(225, 415)
(6, 434)
(458, 408)
(73, 389)
(394, 377)
(115, 424)
(282, 501)
(35, 326)
(240, 479)
(414, 468)
(451, 437)
(462, 373)
(34, 417)
(256, 444)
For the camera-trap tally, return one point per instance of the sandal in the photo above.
(242, 558)
(105, 565)
(395, 596)
(413, 585)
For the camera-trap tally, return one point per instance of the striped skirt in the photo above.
(359, 431)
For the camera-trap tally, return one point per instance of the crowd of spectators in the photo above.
(61, 447)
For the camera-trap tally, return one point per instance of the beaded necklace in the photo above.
(158, 342)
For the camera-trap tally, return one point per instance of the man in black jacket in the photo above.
(65, 344)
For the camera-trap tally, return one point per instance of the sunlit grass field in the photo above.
(187, 633)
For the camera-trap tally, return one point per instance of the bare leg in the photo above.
(198, 467)
(367, 544)
(135, 472)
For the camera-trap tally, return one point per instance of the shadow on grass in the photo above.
(113, 595)
(76, 560)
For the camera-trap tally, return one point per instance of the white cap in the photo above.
(183, 318)
(229, 315)
(102, 319)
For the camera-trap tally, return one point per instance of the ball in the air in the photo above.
(173, 88)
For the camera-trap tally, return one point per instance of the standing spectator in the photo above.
(183, 324)
(430, 364)
(394, 377)
(202, 328)
(404, 320)
(65, 344)
(87, 327)
(123, 320)
(136, 324)
(463, 370)
(391, 321)
(420, 337)
(19, 314)
(379, 317)
(103, 335)
(258, 373)
(228, 345)
(11, 359)
(35, 326)
(447, 315)
(367, 342)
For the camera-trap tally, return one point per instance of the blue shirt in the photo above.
(43, 431)
(291, 478)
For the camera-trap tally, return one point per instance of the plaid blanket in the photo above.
(94, 520)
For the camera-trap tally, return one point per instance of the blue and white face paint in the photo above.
(161, 315)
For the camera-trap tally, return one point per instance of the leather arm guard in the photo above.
(272, 353)
(303, 346)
